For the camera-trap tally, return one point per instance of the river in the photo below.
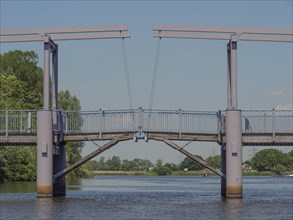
(151, 197)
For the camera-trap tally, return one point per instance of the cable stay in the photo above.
(154, 80)
(127, 80)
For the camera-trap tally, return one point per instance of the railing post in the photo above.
(6, 125)
(29, 122)
(273, 123)
(219, 126)
(20, 122)
(180, 123)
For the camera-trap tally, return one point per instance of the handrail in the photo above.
(179, 121)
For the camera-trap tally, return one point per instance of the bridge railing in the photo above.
(18, 121)
(141, 120)
(180, 121)
(100, 121)
(267, 121)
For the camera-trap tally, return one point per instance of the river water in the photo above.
(151, 197)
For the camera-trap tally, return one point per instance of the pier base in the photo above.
(233, 154)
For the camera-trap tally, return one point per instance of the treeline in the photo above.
(21, 88)
(271, 160)
(161, 168)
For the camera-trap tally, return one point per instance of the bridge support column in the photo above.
(223, 170)
(44, 153)
(233, 154)
(59, 163)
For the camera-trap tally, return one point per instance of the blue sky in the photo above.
(192, 74)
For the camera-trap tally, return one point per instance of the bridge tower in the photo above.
(231, 149)
(51, 153)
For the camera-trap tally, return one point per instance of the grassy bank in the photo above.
(174, 173)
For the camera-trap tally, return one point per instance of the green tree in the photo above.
(268, 159)
(191, 164)
(21, 85)
(214, 161)
(114, 163)
(23, 66)
(12, 93)
(18, 163)
(171, 166)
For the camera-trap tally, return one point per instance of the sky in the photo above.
(191, 74)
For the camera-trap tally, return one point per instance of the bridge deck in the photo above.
(251, 139)
(259, 128)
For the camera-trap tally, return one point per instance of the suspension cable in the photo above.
(154, 81)
(127, 80)
(127, 74)
(155, 74)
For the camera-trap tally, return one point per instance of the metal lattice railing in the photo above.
(111, 121)
(270, 121)
(18, 121)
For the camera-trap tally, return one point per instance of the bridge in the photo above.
(50, 129)
(259, 128)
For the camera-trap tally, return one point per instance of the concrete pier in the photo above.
(44, 153)
(233, 154)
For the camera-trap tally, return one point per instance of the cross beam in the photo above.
(58, 34)
(223, 33)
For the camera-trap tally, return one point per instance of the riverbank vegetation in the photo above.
(265, 162)
(21, 88)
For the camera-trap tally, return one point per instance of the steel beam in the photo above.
(191, 156)
(83, 33)
(223, 33)
(65, 30)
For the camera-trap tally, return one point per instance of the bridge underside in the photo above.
(248, 139)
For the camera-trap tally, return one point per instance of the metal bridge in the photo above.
(232, 128)
(262, 127)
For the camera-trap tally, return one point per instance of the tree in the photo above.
(171, 166)
(12, 93)
(214, 161)
(114, 163)
(23, 66)
(268, 159)
(18, 163)
(21, 85)
(190, 164)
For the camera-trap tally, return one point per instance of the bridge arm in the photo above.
(193, 157)
(92, 155)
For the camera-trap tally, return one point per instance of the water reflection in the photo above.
(18, 187)
(233, 208)
(45, 208)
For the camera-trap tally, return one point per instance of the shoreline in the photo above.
(174, 173)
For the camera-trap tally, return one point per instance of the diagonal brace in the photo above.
(91, 155)
(193, 157)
